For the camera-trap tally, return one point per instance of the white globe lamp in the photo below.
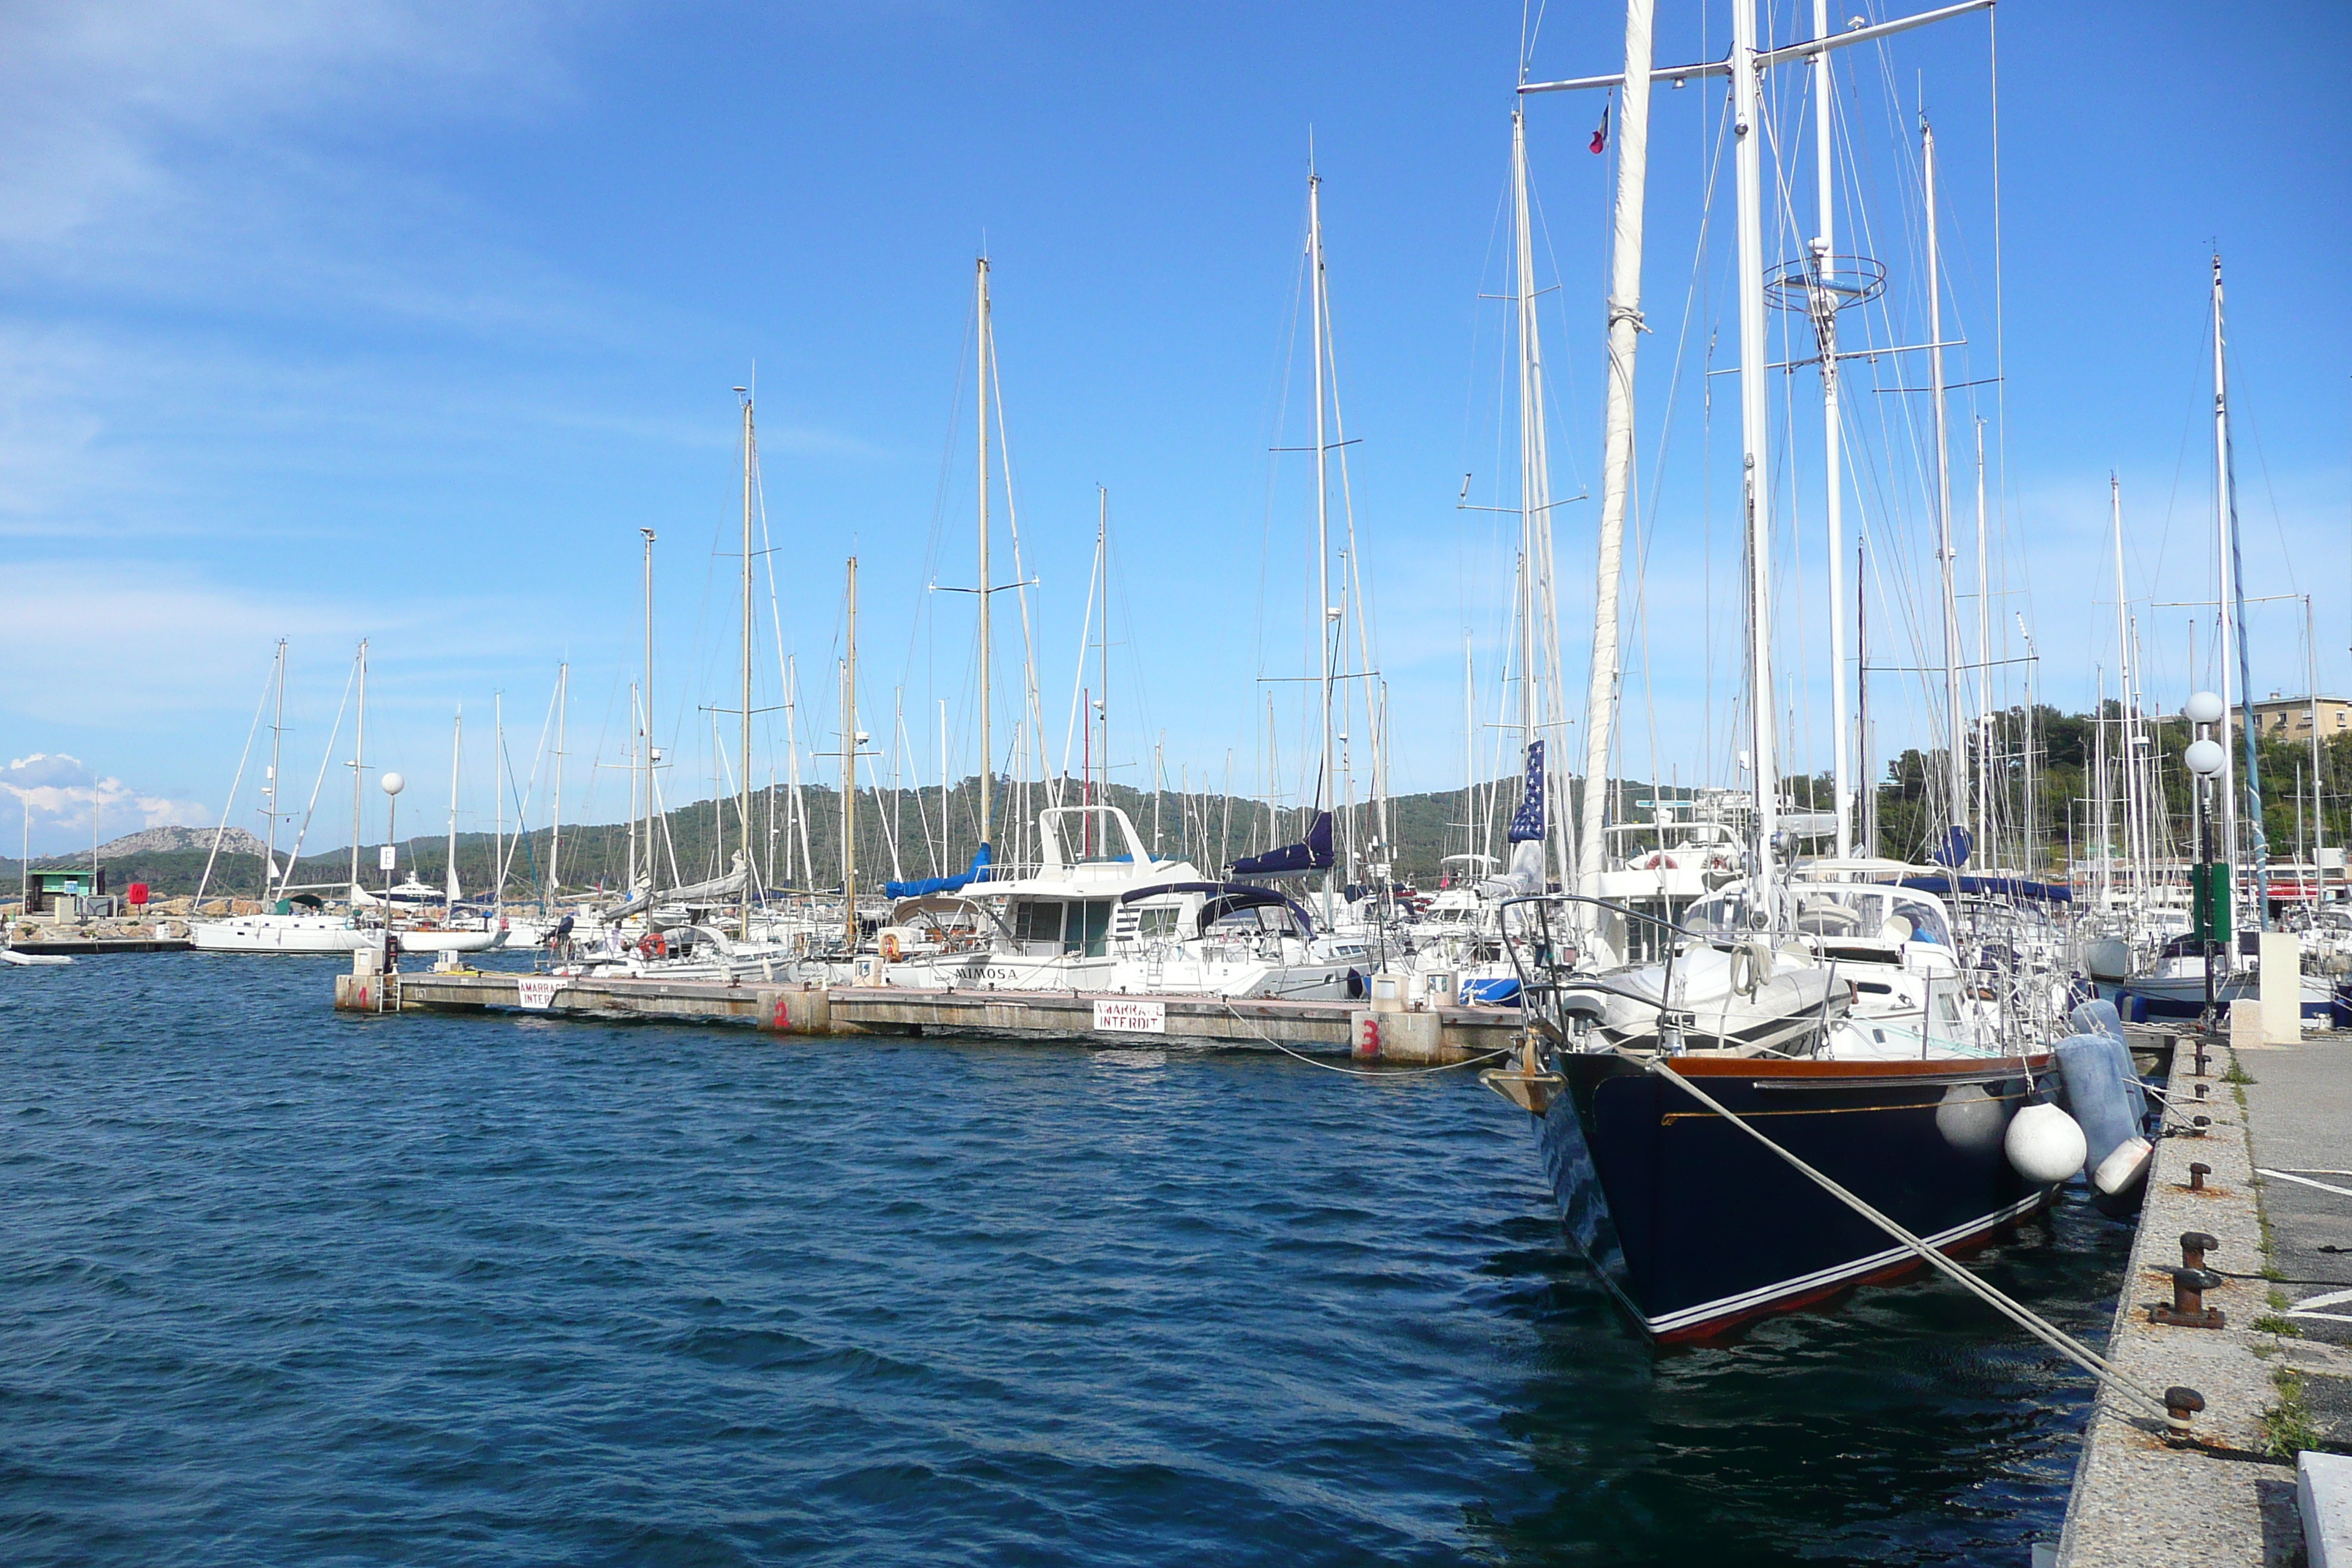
(394, 783)
(2205, 758)
(2204, 708)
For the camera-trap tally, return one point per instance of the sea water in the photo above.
(283, 1286)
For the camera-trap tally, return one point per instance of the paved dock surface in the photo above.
(2138, 1499)
(2300, 1107)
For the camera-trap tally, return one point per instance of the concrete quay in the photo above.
(2228, 1497)
(1440, 1035)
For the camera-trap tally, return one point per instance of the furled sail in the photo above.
(1312, 854)
(930, 885)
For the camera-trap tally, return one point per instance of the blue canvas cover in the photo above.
(930, 885)
(1314, 853)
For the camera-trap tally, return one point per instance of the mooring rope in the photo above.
(1355, 1072)
(2017, 1312)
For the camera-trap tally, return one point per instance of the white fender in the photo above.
(2045, 1144)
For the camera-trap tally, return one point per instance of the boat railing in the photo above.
(1543, 998)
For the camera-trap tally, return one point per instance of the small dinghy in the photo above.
(29, 959)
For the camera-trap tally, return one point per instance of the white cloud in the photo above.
(55, 795)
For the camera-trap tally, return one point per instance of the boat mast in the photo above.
(1617, 441)
(1984, 669)
(276, 740)
(1754, 437)
(2234, 658)
(359, 766)
(555, 832)
(1327, 613)
(2132, 847)
(650, 809)
(1826, 304)
(2318, 816)
(632, 890)
(1955, 736)
(986, 349)
(1535, 497)
(743, 778)
(450, 871)
(849, 757)
(1102, 692)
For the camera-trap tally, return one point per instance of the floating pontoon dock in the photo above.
(1440, 1034)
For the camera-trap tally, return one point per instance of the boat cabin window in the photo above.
(1725, 914)
(1062, 926)
(1925, 923)
(1154, 923)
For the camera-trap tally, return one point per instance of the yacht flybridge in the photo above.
(1115, 919)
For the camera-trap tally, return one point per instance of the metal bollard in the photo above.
(2188, 1310)
(2196, 1244)
(2203, 1089)
(2180, 1406)
(2197, 1171)
(2198, 1124)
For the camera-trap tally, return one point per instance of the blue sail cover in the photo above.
(1955, 850)
(1527, 822)
(1314, 855)
(1991, 887)
(930, 885)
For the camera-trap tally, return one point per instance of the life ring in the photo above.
(891, 951)
(652, 944)
(1654, 860)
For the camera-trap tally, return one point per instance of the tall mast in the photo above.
(2234, 660)
(1984, 666)
(631, 891)
(276, 738)
(1538, 628)
(2132, 845)
(1955, 738)
(1826, 304)
(651, 812)
(1326, 786)
(1470, 844)
(1102, 584)
(1617, 454)
(359, 766)
(499, 857)
(2311, 685)
(987, 348)
(849, 758)
(450, 871)
(1755, 434)
(743, 771)
(1862, 701)
(555, 833)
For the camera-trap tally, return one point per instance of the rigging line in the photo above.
(1278, 397)
(1032, 704)
(325, 762)
(277, 672)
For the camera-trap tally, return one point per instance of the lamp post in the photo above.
(2205, 758)
(392, 784)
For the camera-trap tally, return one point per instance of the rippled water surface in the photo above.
(280, 1286)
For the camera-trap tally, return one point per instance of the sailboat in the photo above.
(2171, 982)
(1788, 1024)
(297, 921)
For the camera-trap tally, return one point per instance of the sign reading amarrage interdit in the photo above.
(536, 991)
(1117, 1016)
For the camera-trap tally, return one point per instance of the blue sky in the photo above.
(398, 320)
